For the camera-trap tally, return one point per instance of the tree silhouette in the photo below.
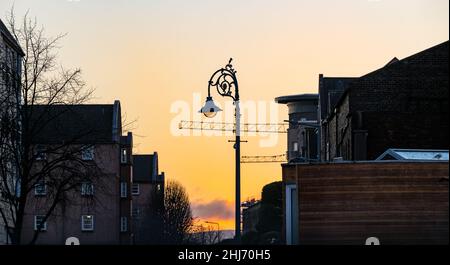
(177, 214)
(42, 85)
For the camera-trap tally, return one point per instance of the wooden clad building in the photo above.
(346, 203)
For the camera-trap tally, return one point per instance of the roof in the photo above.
(10, 39)
(75, 123)
(145, 167)
(295, 98)
(423, 57)
(393, 60)
(331, 90)
(426, 58)
(414, 154)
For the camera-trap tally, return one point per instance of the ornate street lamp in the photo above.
(226, 85)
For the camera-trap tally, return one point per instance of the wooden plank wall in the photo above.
(397, 202)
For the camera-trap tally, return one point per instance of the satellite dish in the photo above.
(72, 241)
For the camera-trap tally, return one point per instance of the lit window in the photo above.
(123, 189)
(123, 224)
(87, 223)
(87, 189)
(295, 146)
(123, 156)
(135, 189)
(158, 187)
(87, 153)
(40, 188)
(39, 223)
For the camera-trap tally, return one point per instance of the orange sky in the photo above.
(150, 54)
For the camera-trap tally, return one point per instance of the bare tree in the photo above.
(205, 235)
(43, 84)
(148, 224)
(177, 218)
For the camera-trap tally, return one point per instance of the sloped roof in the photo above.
(144, 168)
(414, 154)
(392, 61)
(10, 39)
(426, 58)
(72, 124)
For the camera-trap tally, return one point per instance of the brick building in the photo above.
(397, 114)
(148, 199)
(126, 179)
(10, 75)
(97, 211)
(401, 105)
(331, 90)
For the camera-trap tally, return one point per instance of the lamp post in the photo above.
(218, 229)
(226, 84)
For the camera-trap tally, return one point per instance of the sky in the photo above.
(157, 56)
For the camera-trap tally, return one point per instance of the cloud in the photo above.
(216, 209)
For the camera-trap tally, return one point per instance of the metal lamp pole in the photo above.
(218, 229)
(226, 85)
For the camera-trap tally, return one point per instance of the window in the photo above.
(291, 216)
(135, 212)
(123, 189)
(87, 223)
(40, 188)
(135, 189)
(40, 153)
(87, 189)
(327, 154)
(18, 187)
(87, 154)
(123, 156)
(158, 187)
(123, 224)
(295, 146)
(39, 223)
